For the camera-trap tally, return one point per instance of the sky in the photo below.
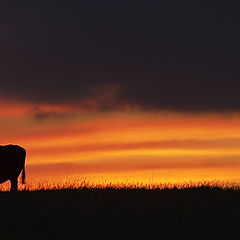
(117, 91)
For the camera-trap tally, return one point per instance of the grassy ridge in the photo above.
(192, 213)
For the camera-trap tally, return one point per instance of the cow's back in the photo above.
(12, 160)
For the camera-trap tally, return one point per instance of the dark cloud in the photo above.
(46, 115)
(158, 55)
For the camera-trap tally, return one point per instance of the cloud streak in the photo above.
(77, 168)
(221, 145)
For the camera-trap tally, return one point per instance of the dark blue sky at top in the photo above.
(174, 56)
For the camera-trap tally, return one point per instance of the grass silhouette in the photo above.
(204, 211)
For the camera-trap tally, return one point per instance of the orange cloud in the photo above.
(124, 142)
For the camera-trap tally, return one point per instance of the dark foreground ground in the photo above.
(121, 214)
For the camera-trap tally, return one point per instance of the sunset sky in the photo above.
(122, 91)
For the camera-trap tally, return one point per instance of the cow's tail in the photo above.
(23, 170)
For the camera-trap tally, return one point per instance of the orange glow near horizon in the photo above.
(123, 146)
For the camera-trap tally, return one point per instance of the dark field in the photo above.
(195, 213)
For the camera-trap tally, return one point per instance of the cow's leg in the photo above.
(14, 184)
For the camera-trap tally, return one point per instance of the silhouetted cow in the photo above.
(12, 162)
